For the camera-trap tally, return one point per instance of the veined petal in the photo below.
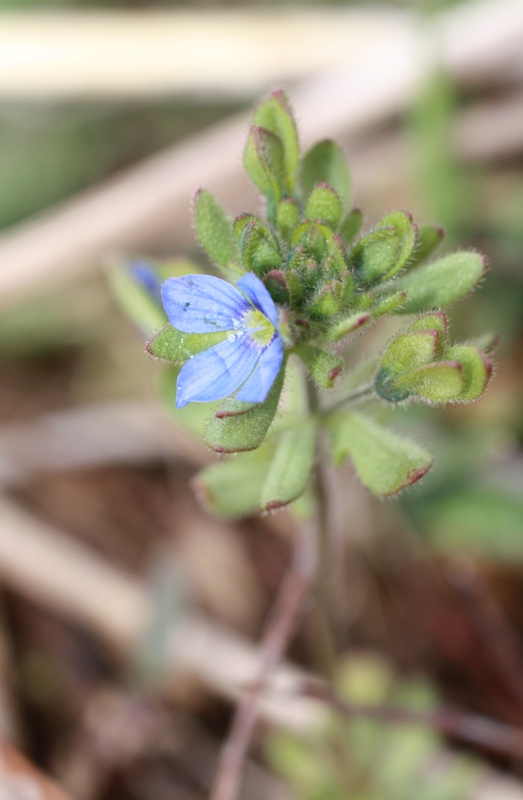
(258, 294)
(257, 386)
(216, 373)
(203, 304)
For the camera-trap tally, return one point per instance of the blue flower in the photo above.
(250, 356)
(144, 274)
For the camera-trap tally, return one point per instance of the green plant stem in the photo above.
(325, 639)
(280, 629)
(324, 636)
(359, 395)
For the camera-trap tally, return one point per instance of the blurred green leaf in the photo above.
(326, 163)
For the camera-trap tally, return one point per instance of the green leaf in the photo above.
(442, 282)
(170, 344)
(287, 216)
(325, 163)
(351, 226)
(437, 383)
(435, 321)
(327, 301)
(385, 250)
(214, 229)
(429, 237)
(264, 162)
(481, 521)
(324, 367)
(345, 326)
(389, 304)
(411, 350)
(235, 434)
(324, 205)
(135, 301)
(384, 461)
(259, 249)
(407, 352)
(476, 370)
(277, 286)
(231, 488)
(291, 465)
(275, 115)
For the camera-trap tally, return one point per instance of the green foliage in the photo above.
(287, 216)
(347, 325)
(476, 370)
(327, 284)
(231, 488)
(275, 115)
(214, 229)
(429, 237)
(420, 364)
(265, 164)
(442, 282)
(324, 367)
(241, 432)
(351, 226)
(385, 251)
(259, 250)
(324, 205)
(384, 461)
(364, 758)
(135, 301)
(325, 164)
(172, 345)
(291, 466)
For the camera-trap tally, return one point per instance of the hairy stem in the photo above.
(358, 395)
(281, 627)
(325, 640)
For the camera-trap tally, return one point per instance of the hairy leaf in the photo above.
(275, 115)
(231, 488)
(291, 465)
(442, 282)
(325, 163)
(241, 432)
(214, 229)
(385, 462)
(170, 344)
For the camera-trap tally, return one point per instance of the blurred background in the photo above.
(128, 616)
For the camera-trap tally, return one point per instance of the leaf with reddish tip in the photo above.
(231, 488)
(245, 431)
(476, 368)
(347, 325)
(438, 383)
(291, 466)
(385, 462)
(324, 367)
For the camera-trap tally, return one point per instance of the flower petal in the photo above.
(216, 373)
(202, 304)
(257, 386)
(258, 294)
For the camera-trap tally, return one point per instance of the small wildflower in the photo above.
(248, 360)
